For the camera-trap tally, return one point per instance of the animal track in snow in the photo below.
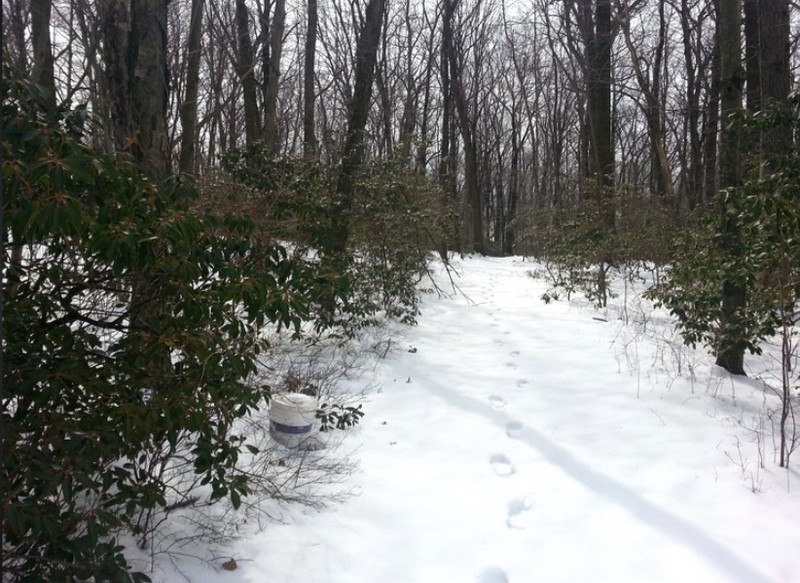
(493, 575)
(510, 364)
(517, 512)
(501, 465)
(514, 353)
(522, 382)
(514, 429)
(497, 402)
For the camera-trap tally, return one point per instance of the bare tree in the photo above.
(353, 153)
(43, 73)
(115, 30)
(188, 111)
(272, 76)
(652, 107)
(148, 86)
(245, 65)
(454, 52)
(775, 69)
(594, 20)
(309, 92)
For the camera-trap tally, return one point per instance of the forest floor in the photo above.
(506, 439)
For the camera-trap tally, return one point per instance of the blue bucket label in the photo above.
(290, 429)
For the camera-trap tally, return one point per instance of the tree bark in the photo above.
(310, 145)
(43, 66)
(730, 355)
(751, 58)
(115, 31)
(711, 134)
(598, 36)
(447, 147)
(653, 115)
(691, 195)
(513, 189)
(244, 68)
(775, 69)
(472, 185)
(273, 76)
(353, 153)
(188, 112)
(148, 78)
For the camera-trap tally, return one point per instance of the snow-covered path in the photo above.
(508, 444)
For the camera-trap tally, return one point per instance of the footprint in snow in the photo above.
(497, 402)
(522, 382)
(498, 342)
(511, 364)
(493, 575)
(514, 429)
(501, 465)
(518, 512)
(514, 353)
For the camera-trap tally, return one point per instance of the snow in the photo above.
(509, 440)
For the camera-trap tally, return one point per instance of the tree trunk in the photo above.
(694, 171)
(353, 153)
(43, 68)
(411, 102)
(116, 28)
(472, 186)
(188, 112)
(273, 77)
(386, 107)
(447, 148)
(653, 115)
(244, 68)
(598, 36)
(513, 189)
(734, 298)
(776, 80)
(711, 134)
(752, 64)
(148, 50)
(310, 145)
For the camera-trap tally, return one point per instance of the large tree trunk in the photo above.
(244, 68)
(273, 76)
(447, 146)
(411, 102)
(774, 51)
(472, 185)
(148, 91)
(43, 68)
(598, 35)
(148, 54)
(188, 112)
(353, 153)
(115, 31)
(734, 298)
(309, 96)
(692, 184)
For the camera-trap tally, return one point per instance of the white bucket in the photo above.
(293, 418)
